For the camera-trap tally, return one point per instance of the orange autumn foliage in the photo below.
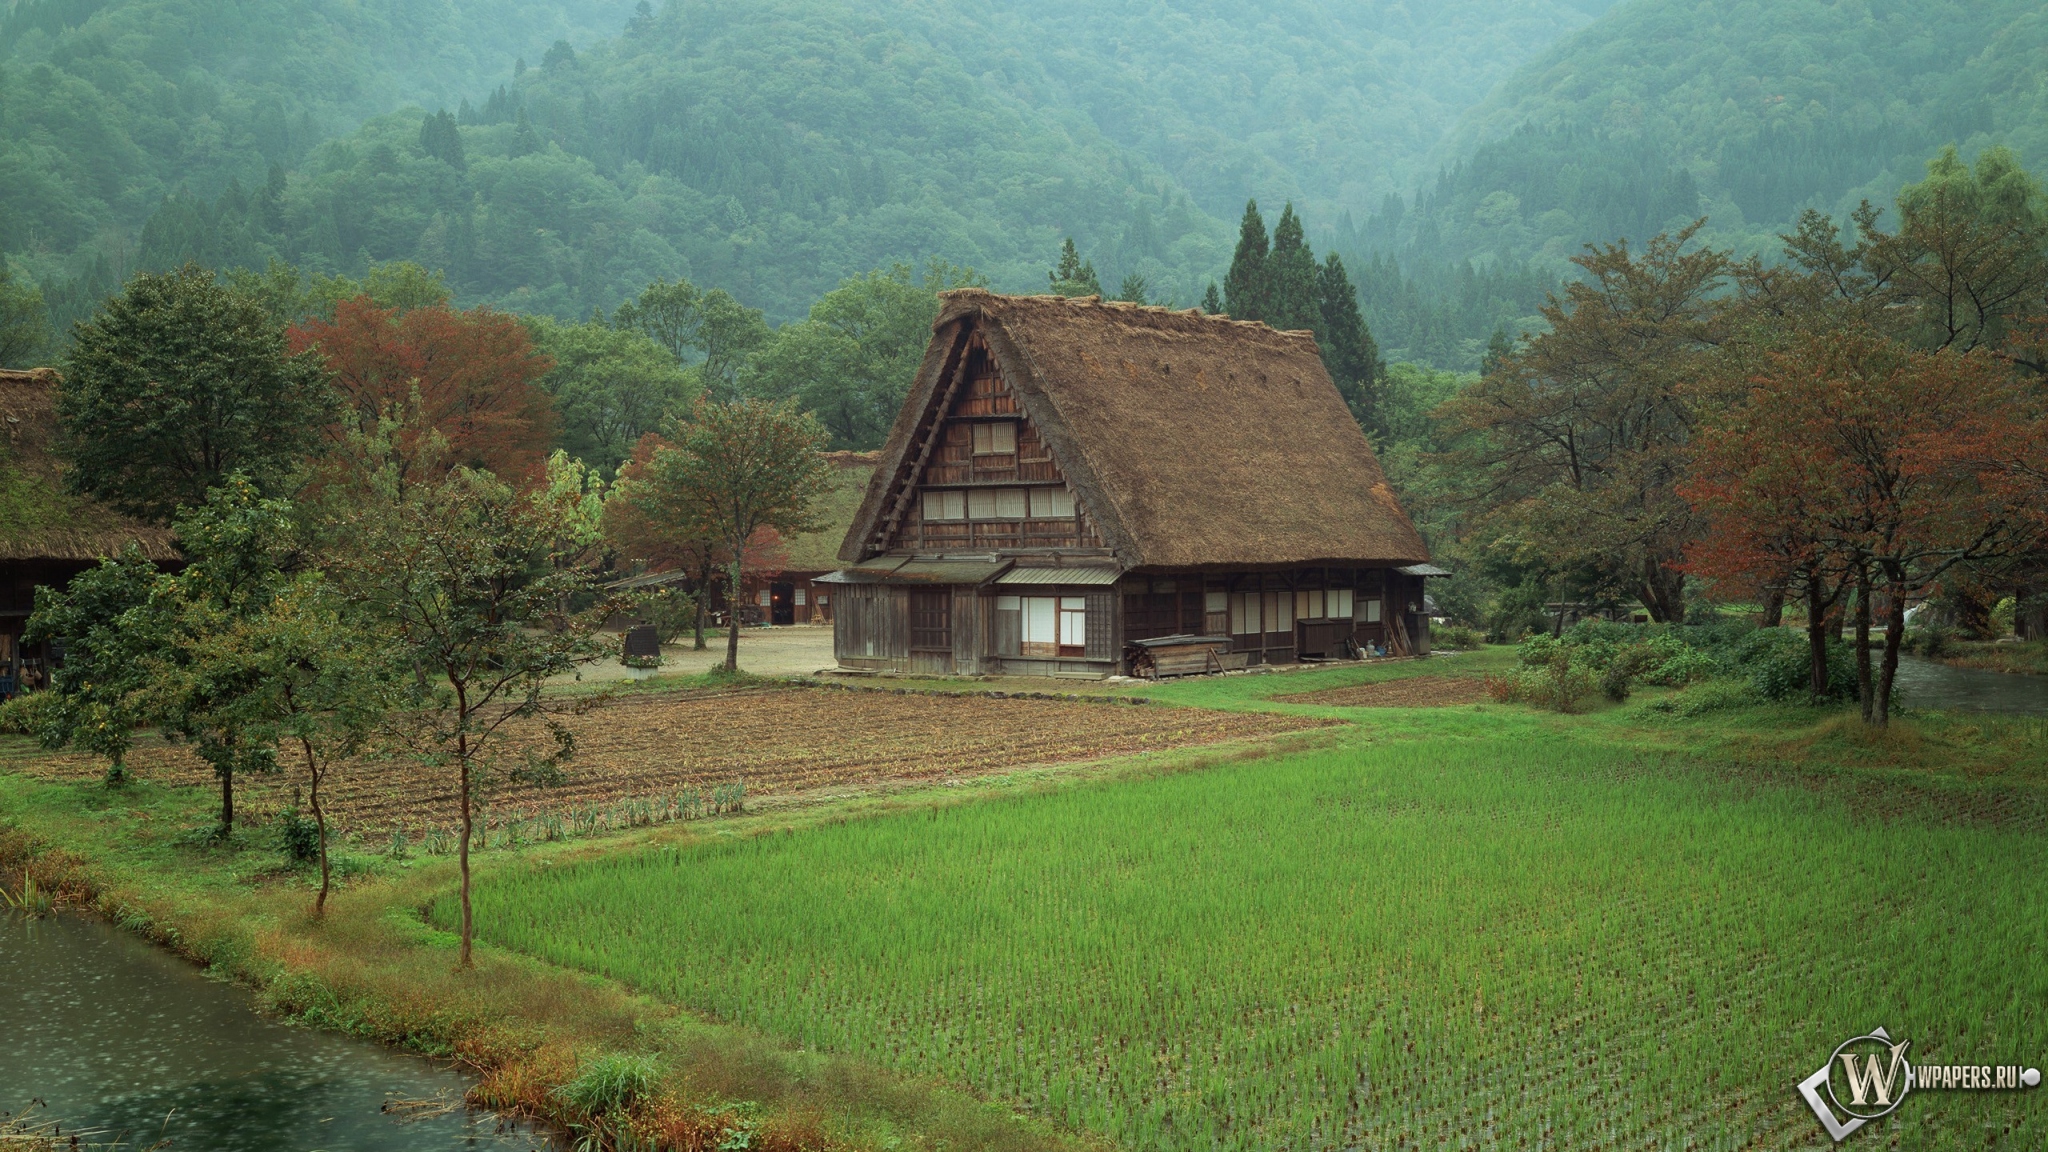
(475, 375)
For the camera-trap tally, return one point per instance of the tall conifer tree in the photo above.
(1292, 289)
(1073, 276)
(1244, 286)
(1349, 351)
(1212, 300)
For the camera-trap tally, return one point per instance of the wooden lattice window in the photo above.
(931, 620)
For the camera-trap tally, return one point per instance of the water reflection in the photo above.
(113, 1033)
(1931, 684)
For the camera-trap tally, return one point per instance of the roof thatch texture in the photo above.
(38, 519)
(818, 551)
(1193, 440)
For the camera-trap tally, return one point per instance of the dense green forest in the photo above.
(771, 150)
(107, 106)
(554, 158)
(1667, 110)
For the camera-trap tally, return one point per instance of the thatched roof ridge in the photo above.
(1193, 440)
(38, 519)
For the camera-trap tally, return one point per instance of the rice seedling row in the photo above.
(1498, 943)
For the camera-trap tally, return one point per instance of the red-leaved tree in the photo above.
(472, 377)
(1755, 491)
(1852, 449)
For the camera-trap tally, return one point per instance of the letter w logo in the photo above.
(1876, 1079)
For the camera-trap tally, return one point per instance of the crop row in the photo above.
(778, 742)
(1489, 944)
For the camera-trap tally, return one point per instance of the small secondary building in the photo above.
(47, 536)
(785, 589)
(1073, 484)
(793, 595)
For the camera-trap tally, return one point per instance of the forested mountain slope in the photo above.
(1333, 106)
(768, 148)
(106, 106)
(1745, 111)
(1662, 111)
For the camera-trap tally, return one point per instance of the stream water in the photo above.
(112, 1033)
(1930, 684)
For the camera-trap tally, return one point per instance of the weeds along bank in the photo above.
(542, 1041)
(1517, 932)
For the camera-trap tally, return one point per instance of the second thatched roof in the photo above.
(1193, 440)
(39, 520)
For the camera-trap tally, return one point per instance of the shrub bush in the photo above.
(610, 1083)
(1933, 641)
(1537, 649)
(1454, 636)
(298, 836)
(1708, 696)
(1776, 662)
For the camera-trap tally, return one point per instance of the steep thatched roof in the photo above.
(1193, 441)
(817, 551)
(38, 519)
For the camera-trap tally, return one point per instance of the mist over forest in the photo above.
(1456, 154)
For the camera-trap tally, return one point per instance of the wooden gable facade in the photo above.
(1038, 509)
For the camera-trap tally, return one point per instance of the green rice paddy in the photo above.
(1514, 937)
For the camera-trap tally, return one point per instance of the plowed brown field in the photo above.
(777, 742)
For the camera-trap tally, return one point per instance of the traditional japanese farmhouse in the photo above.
(47, 536)
(1076, 487)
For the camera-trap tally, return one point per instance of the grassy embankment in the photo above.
(1475, 921)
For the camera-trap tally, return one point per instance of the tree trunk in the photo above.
(1864, 694)
(1894, 636)
(732, 634)
(1774, 606)
(1968, 605)
(1816, 637)
(319, 823)
(1663, 592)
(702, 588)
(462, 848)
(2031, 621)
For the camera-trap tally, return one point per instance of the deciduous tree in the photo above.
(178, 382)
(111, 623)
(610, 385)
(1883, 449)
(472, 376)
(240, 547)
(467, 581)
(736, 471)
(1580, 436)
(853, 358)
(24, 321)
